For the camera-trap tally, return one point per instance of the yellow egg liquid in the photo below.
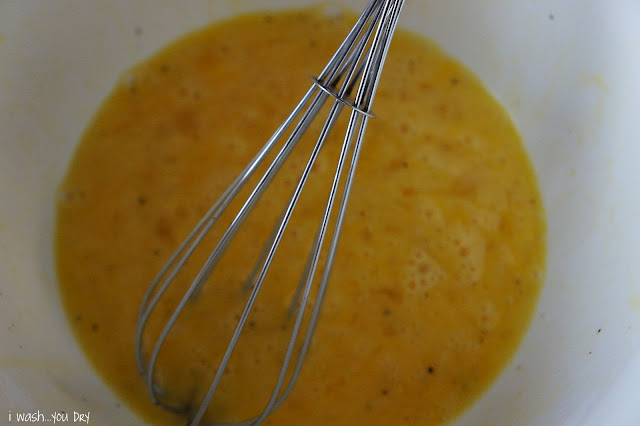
(438, 269)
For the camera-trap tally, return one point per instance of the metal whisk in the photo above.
(356, 66)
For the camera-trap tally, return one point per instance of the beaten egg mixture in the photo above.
(437, 272)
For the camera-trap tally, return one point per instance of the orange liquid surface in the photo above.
(438, 269)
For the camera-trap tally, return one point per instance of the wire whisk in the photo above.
(350, 78)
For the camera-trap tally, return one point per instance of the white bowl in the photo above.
(567, 71)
